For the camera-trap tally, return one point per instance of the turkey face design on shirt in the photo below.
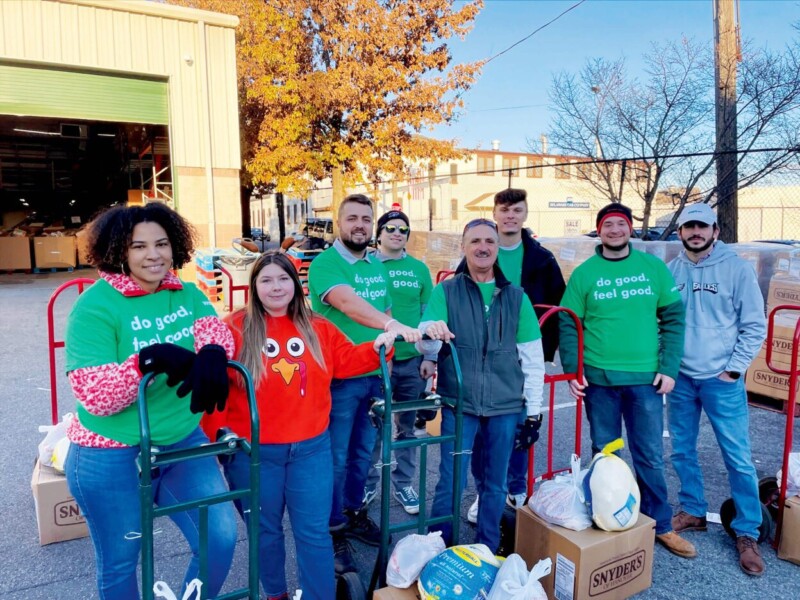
(287, 361)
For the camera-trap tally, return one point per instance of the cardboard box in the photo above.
(784, 289)
(15, 253)
(782, 339)
(57, 514)
(54, 252)
(591, 563)
(789, 548)
(393, 593)
(760, 379)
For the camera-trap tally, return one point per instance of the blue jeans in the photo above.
(517, 466)
(352, 441)
(498, 438)
(297, 477)
(642, 409)
(725, 404)
(406, 385)
(105, 483)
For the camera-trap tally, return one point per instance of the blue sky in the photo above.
(509, 101)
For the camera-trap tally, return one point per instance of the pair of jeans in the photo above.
(105, 483)
(517, 475)
(407, 385)
(643, 411)
(725, 405)
(498, 438)
(297, 477)
(352, 442)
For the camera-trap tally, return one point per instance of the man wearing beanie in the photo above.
(725, 327)
(633, 327)
(410, 287)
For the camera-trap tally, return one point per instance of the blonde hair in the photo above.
(254, 324)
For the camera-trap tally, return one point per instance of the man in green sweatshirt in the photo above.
(633, 321)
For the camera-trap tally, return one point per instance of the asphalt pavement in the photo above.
(65, 570)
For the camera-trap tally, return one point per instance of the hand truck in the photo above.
(551, 380)
(771, 494)
(52, 343)
(385, 409)
(151, 459)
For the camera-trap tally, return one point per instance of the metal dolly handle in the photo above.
(386, 410)
(551, 380)
(151, 460)
(789, 409)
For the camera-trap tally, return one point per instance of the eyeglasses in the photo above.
(401, 228)
(476, 222)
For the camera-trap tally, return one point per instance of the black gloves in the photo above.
(527, 433)
(171, 359)
(207, 380)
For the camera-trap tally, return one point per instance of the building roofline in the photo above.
(158, 9)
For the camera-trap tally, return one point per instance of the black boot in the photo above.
(342, 554)
(362, 528)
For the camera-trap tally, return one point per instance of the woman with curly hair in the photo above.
(140, 318)
(292, 354)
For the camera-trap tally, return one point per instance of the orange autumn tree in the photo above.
(343, 88)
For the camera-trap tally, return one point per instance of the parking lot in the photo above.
(66, 570)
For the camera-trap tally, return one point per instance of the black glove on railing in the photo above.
(207, 380)
(527, 433)
(171, 359)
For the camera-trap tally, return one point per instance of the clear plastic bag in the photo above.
(410, 556)
(514, 582)
(561, 500)
(793, 481)
(55, 433)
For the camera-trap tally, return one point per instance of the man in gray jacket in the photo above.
(725, 327)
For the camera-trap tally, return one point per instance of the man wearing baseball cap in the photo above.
(725, 327)
(410, 288)
(623, 294)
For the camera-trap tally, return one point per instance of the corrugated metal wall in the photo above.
(148, 38)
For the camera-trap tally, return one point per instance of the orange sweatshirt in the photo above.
(294, 395)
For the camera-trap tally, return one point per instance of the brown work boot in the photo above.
(676, 544)
(749, 556)
(683, 521)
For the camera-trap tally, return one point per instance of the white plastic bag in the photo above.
(793, 481)
(514, 582)
(192, 592)
(410, 556)
(55, 433)
(611, 490)
(560, 501)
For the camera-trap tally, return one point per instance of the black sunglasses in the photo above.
(476, 222)
(400, 228)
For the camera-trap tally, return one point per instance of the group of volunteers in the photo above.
(688, 329)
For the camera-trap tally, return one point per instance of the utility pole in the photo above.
(726, 55)
(279, 208)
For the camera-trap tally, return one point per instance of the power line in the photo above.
(530, 35)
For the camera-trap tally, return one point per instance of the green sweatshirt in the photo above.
(633, 320)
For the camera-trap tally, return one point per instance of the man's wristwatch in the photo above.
(733, 374)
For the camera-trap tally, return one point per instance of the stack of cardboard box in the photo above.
(784, 289)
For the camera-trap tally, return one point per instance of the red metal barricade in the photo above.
(53, 344)
(789, 408)
(551, 380)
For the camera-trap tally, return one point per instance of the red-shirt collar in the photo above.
(126, 286)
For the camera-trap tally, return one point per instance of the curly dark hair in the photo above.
(108, 235)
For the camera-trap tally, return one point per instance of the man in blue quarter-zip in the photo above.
(725, 328)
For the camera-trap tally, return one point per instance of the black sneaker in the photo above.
(362, 528)
(342, 554)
